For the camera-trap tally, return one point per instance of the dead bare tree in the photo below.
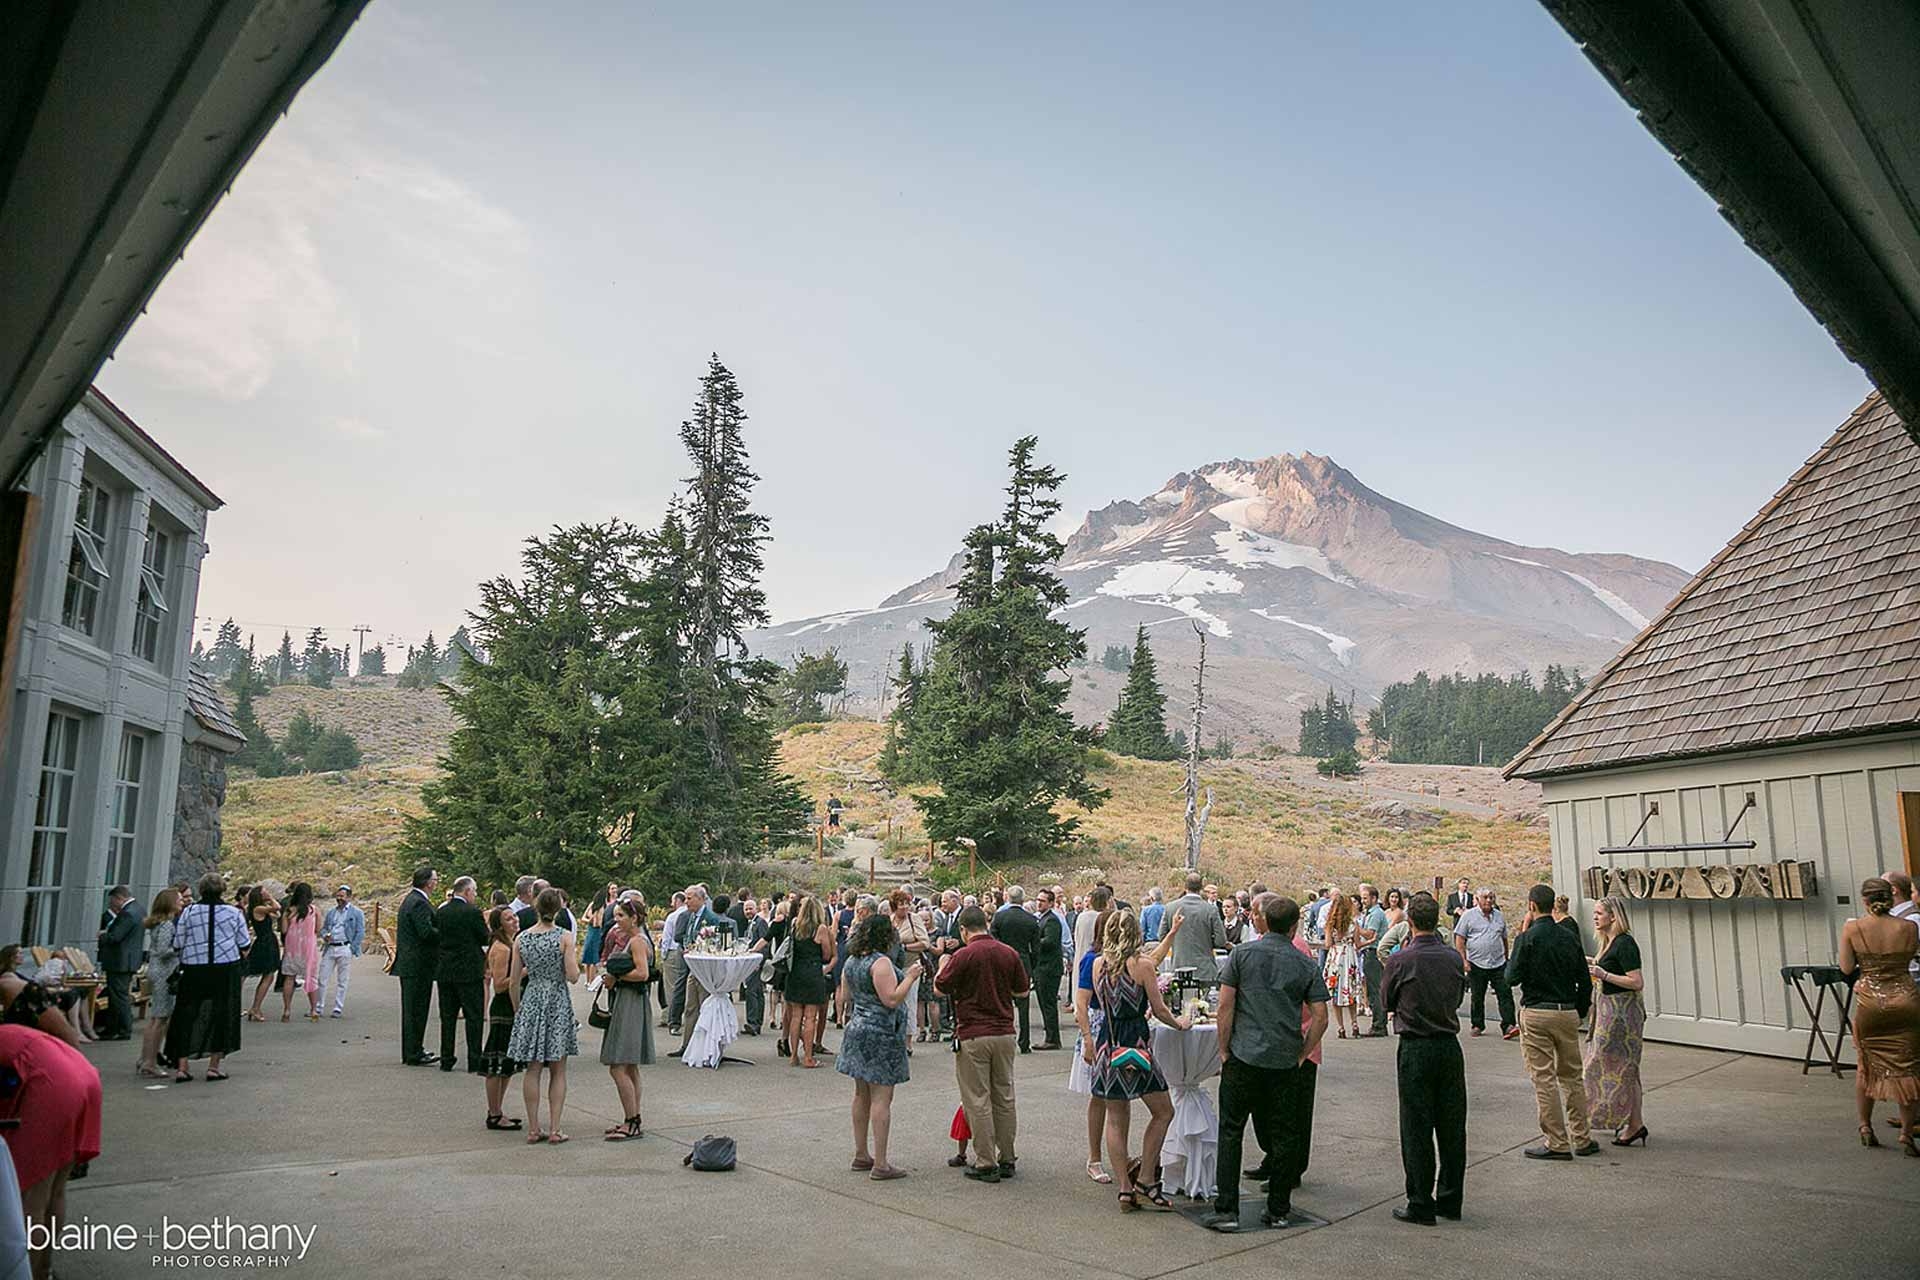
(1196, 811)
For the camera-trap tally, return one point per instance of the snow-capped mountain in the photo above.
(1303, 578)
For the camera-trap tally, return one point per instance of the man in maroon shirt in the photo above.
(982, 978)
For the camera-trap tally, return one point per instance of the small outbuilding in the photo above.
(1745, 762)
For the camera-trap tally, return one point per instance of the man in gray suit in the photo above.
(1203, 933)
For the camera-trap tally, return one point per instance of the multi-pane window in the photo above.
(151, 609)
(87, 561)
(126, 808)
(52, 819)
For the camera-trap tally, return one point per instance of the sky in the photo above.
(464, 292)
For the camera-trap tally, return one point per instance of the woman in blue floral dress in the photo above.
(874, 1049)
(545, 1032)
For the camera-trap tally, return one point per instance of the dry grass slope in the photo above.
(1269, 822)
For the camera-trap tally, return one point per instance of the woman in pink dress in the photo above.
(57, 1105)
(300, 950)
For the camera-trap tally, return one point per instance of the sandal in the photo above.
(1156, 1196)
(1098, 1174)
(286, 1017)
(631, 1129)
(1866, 1136)
(862, 1163)
(1129, 1201)
(887, 1173)
(216, 1075)
(183, 1076)
(498, 1121)
(555, 1138)
(149, 1073)
(256, 1016)
(534, 1135)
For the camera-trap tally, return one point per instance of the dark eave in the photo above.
(121, 124)
(1801, 119)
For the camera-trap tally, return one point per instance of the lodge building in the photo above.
(1753, 755)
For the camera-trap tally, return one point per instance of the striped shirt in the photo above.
(230, 934)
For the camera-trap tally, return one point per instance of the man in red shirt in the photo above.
(982, 978)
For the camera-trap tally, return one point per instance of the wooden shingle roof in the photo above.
(1805, 628)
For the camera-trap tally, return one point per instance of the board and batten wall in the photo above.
(1713, 966)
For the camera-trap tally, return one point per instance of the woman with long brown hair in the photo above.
(810, 962)
(300, 951)
(163, 961)
(1875, 950)
(496, 1064)
(1346, 981)
(263, 955)
(627, 952)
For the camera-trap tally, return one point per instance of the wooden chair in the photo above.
(385, 944)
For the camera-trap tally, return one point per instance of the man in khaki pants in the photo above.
(1550, 968)
(982, 978)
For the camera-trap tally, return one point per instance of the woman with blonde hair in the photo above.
(1121, 1056)
(163, 961)
(1619, 1019)
(545, 1032)
(1346, 980)
(809, 962)
(1875, 950)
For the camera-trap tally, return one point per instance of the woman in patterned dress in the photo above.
(545, 1032)
(496, 1064)
(163, 961)
(1346, 982)
(873, 1052)
(1619, 1017)
(1121, 1055)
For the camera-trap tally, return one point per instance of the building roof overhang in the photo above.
(1803, 123)
(121, 126)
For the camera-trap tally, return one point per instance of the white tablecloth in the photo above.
(1186, 1059)
(718, 1027)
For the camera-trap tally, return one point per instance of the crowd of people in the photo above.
(894, 972)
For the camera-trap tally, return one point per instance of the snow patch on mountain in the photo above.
(1175, 586)
(834, 621)
(1342, 647)
(1232, 481)
(1598, 592)
(1190, 607)
(1242, 545)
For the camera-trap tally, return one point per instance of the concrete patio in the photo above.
(1753, 1170)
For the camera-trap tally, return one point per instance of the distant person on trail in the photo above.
(834, 806)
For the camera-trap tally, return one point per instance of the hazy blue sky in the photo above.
(466, 288)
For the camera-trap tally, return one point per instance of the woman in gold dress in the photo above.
(1874, 950)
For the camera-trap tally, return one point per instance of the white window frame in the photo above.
(150, 607)
(129, 780)
(87, 571)
(52, 829)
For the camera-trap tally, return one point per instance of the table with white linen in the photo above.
(1187, 1059)
(718, 1026)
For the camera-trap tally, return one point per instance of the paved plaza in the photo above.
(1753, 1170)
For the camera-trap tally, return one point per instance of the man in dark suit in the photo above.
(1460, 901)
(461, 970)
(119, 951)
(416, 961)
(1015, 926)
(1048, 966)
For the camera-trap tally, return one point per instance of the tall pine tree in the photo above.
(318, 660)
(990, 717)
(285, 665)
(1139, 724)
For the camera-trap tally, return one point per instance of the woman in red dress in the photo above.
(57, 1103)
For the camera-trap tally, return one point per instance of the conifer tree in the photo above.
(316, 664)
(226, 651)
(990, 717)
(373, 662)
(285, 666)
(1139, 724)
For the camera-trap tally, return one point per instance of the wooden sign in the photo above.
(1778, 880)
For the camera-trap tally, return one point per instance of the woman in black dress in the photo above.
(496, 1064)
(807, 989)
(264, 959)
(778, 931)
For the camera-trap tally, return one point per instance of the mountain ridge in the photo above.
(1303, 576)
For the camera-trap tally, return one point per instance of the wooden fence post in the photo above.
(870, 874)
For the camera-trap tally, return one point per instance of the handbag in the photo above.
(782, 951)
(601, 1015)
(1126, 1057)
(712, 1154)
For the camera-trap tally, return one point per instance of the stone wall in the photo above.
(196, 813)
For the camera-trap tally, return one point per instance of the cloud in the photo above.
(358, 429)
(259, 288)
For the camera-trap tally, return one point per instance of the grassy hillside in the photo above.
(1269, 822)
(1273, 820)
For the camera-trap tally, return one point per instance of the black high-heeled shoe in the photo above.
(1639, 1136)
